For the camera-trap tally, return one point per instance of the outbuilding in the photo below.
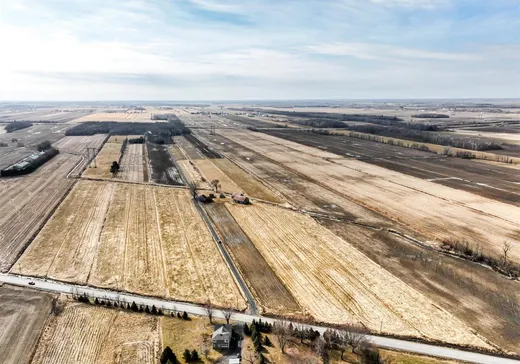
(240, 198)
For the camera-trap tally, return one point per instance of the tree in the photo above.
(168, 356)
(194, 355)
(181, 316)
(351, 335)
(205, 347)
(267, 342)
(322, 349)
(209, 311)
(154, 310)
(216, 185)
(193, 188)
(134, 307)
(227, 315)
(247, 330)
(506, 247)
(43, 146)
(185, 315)
(282, 332)
(96, 301)
(187, 355)
(147, 309)
(114, 168)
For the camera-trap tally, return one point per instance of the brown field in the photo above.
(108, 154)
(25, 203)
(270, 293)
(122, 116)
(87, 334)
(188, 149)
(23, 314)
(35, 134)
(176, 152)
(192, 175)
(137, 238)
(248, 184)
(211, 172)
(78, 144)
(133, 167)
(451, 213)
(336, 283)
(475, 294)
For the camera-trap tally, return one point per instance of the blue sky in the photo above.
(258, 49)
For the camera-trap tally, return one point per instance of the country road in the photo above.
(193, 309)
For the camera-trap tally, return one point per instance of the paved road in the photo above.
(53, 286)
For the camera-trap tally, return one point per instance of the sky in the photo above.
(73, 50)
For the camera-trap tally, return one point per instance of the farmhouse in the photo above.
(240, 198)
(221, 337)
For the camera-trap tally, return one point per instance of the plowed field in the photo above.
(86, 334)
(132, 167)
(22, 316)
(337, 283)
(78, 144)
(25, 203)
(143, 239)
(433, 210)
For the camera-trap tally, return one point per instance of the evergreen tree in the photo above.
(267, 342)
(147, 309)
(154, 310)
(247, 331)
(96, 301)
(179, 315)
(187, 355)
(185, 315)
(194, 355)
(167, 355)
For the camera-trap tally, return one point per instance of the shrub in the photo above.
(187, 355)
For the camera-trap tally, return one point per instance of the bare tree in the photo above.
(209, 311)
(227, 315)
(205, 346)
(282, 331)
(216, 185)
(351, 335)
(506, 247)
(300, 332)
(250, 357)
(322, 349)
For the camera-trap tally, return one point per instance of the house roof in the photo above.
(239, 197)
(222, 332)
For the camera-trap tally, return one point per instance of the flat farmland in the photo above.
(491, 181)
(103, 160)
(336, 283)
(12, 154)
(99, 336)
(117, 116)
(35, 134)
(161, 165)
(23, 314)
(188, 149)
(78, 144)
(133, 166)
(451, 214)
(269, 291)
(26, 202)
(137, 238)
(43, 115)
(211, 172)
(192, 174)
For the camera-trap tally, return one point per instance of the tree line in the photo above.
(17, 125)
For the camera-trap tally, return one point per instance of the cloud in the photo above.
(203, 49)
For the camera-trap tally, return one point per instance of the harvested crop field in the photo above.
(271, 294)
(451, 214)
(26, 202)
(336, 283)
(210, 172)
(35, 134)
(87, 334)
(495, 182)
(192, 174)
(137, 238)
(133, 166)
(78, 144)
(126, 117)
(100, 167)
(188, 150)
(161, 165)
(23, 314)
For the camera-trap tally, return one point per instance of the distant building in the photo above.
(240, 198)
(221, 337)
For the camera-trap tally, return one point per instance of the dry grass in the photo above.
(451, 213)
(247, 183)
(336, 283)
(137, 238)
(192, 174)
(99, 336)
(78, 144)
(128, 117)
(101, 168)
(210, 172)
(181, 334)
